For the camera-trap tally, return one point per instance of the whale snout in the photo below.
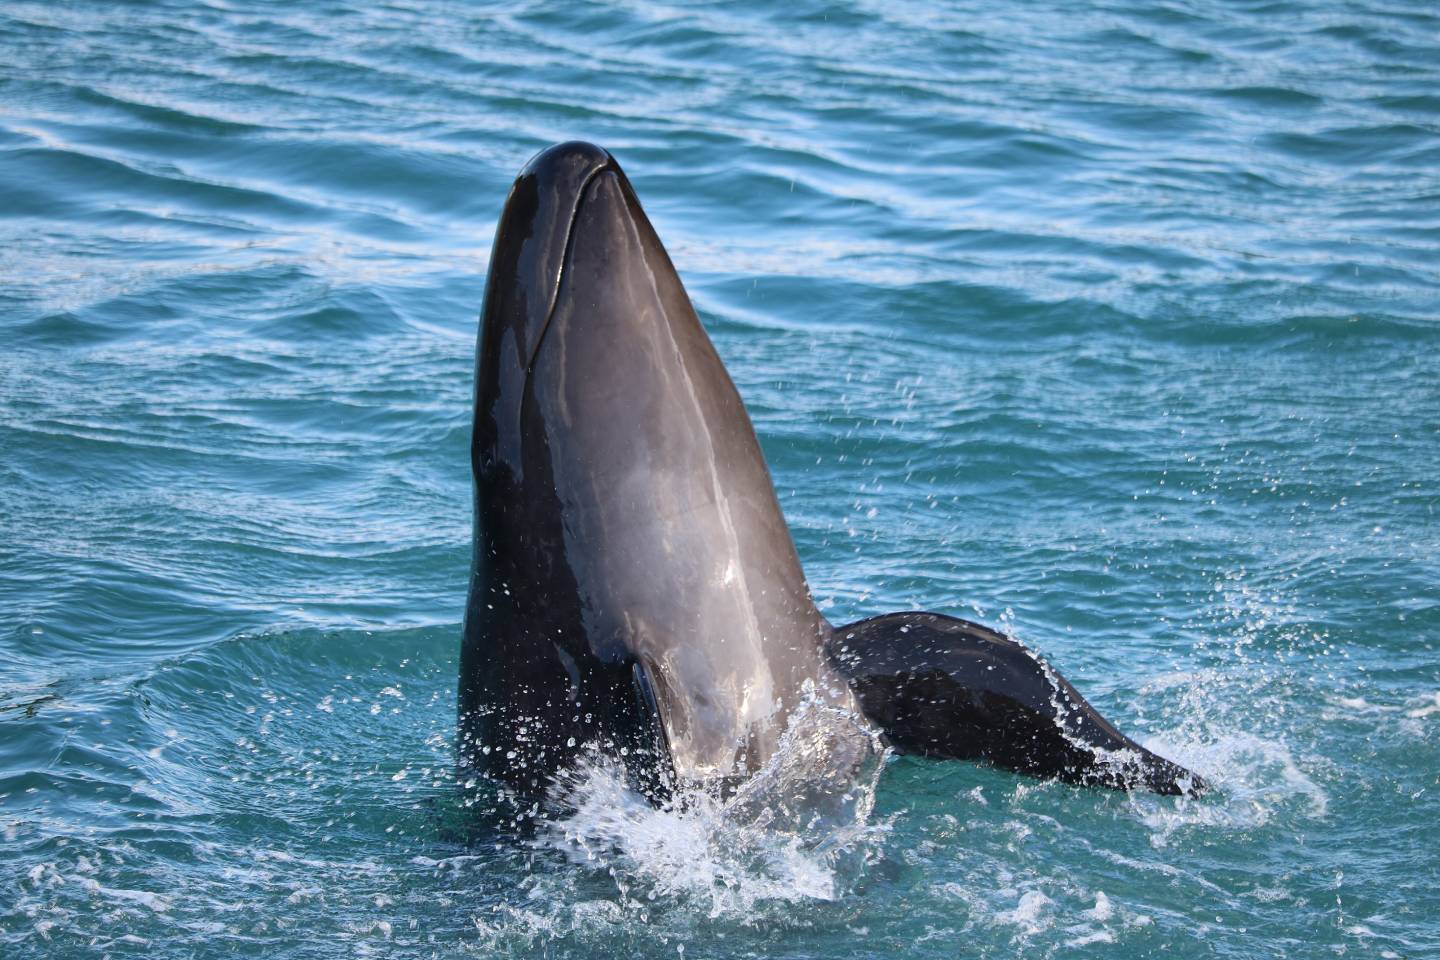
(528, 255)
(571, 163)
(619, 310)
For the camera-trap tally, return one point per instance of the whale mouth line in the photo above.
(580, 196)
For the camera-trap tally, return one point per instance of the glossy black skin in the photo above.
(634, 586)
(947, 688)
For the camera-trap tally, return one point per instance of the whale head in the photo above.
(634, 584)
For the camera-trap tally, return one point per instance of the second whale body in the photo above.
(634, 588)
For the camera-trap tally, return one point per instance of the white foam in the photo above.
(1425, 711)
(793, 832)
(1253, 778)
(1091, 936)
(143, 897)
(1030, 914)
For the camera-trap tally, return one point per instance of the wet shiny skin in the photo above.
(628, 544)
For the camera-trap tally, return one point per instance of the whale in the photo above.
(634, 589)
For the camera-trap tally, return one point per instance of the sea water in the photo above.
(1110, 325)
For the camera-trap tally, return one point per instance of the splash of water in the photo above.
(799, 829)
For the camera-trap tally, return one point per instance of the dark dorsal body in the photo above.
(634, 585)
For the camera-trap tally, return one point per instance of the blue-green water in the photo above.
(1115, 324)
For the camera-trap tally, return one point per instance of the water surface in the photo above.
(1114, 325)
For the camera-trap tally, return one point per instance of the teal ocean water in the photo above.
(1113, 324)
